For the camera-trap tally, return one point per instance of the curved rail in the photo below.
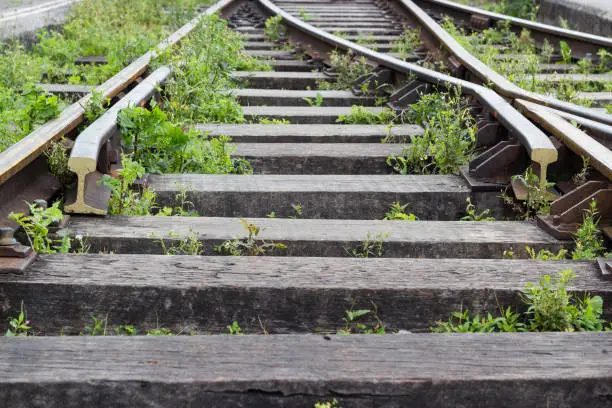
(580, 43)
(22, 153)
(538, 145)
(487, 75)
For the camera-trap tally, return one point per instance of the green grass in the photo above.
(120, 30)
(491, 43)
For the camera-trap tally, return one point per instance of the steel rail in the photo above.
(538, 145)
(489, 76)
(22, 153)
(596, 129)
(90, 197)
(575, 139)
(580, 43)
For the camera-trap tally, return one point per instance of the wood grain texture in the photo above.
(311, 237)
(291, 65)
(285, 294)
(321, 196)
(418, 370)
(283, 97)
(309, 133)
(278, 79)
(302, 114)
(318, 158)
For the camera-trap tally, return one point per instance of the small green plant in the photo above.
(329, 404)
(589, 241)
(198, 91)
(274, 29)
(547, 51)
(182, 208)
(304, 16)
(545, 255)
(188, 245)
(508, 254)
(234, 329)
(367, 41)
(161, 146)
(391, 137)
(397, 211)
(360, 115)
(268, 121)
(605, 57)
(371, 247)
(538, 198)
(355, 324)
(36, 227)
(348, 70)
(298, 210)
(96, 328)
(250, 246)
(584, 66)
(552, 308)
(581, 177)
(20, 325)
(22, 111)
(408, 42)
(160, 331)
(57, 162)
(80, 245)
(461, 322)
(125, 330)
(124, 199)
(96, 106)
(318, 100)
(473, 215)
(566, 52)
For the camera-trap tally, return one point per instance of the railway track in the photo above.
(317, 194)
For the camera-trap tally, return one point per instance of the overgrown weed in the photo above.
(250, 246)
(549, 306)
(449, 138)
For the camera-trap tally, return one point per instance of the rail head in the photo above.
(538, 145)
